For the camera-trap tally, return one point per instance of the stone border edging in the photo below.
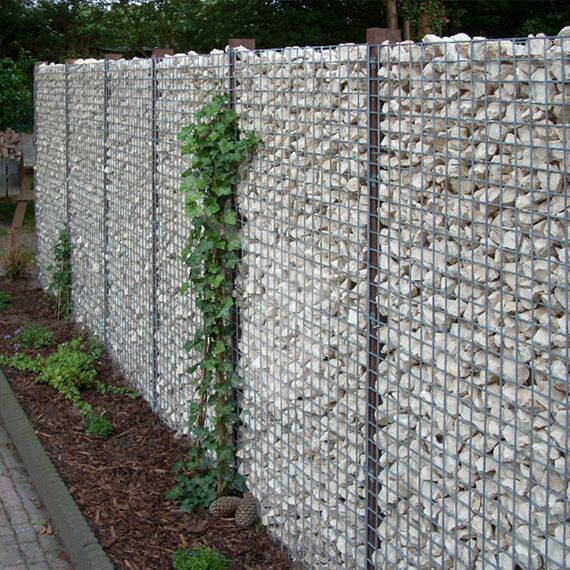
(78, 539)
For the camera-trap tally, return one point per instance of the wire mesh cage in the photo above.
(403, 289)
(471, 425)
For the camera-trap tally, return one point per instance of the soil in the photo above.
(120, 484)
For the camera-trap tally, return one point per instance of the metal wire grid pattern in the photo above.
(129, 221)
(185, 84)
(50, 175)
(472, 284)
(302, 293)
(473, 272)
(86, 117)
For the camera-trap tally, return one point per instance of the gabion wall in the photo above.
(445, 446)
(303, 296)
(86, 191)
(185, 83)
(51, 164)
(473, 297)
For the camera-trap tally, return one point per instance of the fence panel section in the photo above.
(302, 292)
(185, 84)
(86, 111)
(473, 297)
(129, 191)
(51, 172)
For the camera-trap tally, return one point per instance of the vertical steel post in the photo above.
(106, 95)
(374, 37)
(249, 44)
(157, 54)
(35, 120)
(68, 62)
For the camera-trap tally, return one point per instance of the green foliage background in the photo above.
(54, 30)
(16, 92)
(58, 29)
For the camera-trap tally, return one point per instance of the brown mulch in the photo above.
(120, 484)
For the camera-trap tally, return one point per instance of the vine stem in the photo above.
(203, 395)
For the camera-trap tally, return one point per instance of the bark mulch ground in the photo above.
(120, 484)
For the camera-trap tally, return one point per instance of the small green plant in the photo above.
(70, 370)
(22, 362)
(196, 486)
(14, 260)
(61, 276)
(29, 255)
(98, 426)
(34, 336)
(212, 255)
(4, 301)
(199, 559)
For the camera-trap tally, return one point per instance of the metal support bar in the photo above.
(249, 44)
(106, 96)
(374, 37)
(157, 54)
(67, 150)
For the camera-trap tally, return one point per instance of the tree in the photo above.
(16, 92)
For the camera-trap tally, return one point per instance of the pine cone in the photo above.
(246, 513)
(225, 506)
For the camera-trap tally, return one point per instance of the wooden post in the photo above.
(374, 37)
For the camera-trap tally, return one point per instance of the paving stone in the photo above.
(21, 518)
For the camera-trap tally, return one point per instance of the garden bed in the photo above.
(120, 484)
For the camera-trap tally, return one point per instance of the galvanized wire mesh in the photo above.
(50, 176)
(425, 426)
(129, 220)
(303, 297)
(86, 112)
(185, 84)
(472, 262)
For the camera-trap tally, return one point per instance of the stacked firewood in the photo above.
(10, 144)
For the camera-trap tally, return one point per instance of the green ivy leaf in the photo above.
(217, 150)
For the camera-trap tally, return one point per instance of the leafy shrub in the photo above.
(98, 426)
(15, 92)
(70, 370)
(199, 559)
(4, 300)
(196, 486)
(14, 261)
(22, 362)
(34, 336)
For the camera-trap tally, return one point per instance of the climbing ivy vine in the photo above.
(61, 276)
(212, 254)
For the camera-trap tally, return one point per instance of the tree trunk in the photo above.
(424, 24)
(391, 7)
